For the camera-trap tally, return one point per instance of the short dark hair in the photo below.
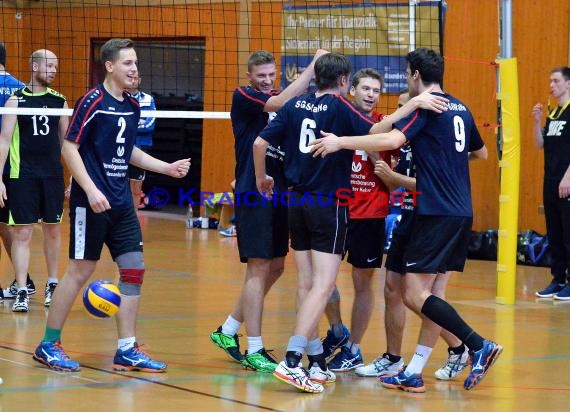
(563, 70)
(366, 73)
(329, 68)
(2, 54)
(428, 63)
(110, 50)
(258, 58)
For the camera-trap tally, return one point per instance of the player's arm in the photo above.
(480, 154)
(63, 125)
(393, 179)
(264, 183)
(294, 89)
(8, 125)
(149, 122)
(537, 112)
(425, 100)
(331, 143)
(70, 153)
(145, 161)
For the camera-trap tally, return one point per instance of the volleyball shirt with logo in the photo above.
(105, 129)
(35, 150)
(363, 180)
(298, 124)
(557, 143)
(248, 120)
(441, 143)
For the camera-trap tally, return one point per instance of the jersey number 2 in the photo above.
(307, 135)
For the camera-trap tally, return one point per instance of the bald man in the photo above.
(36, 173)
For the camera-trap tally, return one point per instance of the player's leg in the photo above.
(136, 177)
(564, 209)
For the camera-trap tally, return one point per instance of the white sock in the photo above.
(52, 280)
(126, 343)
(419, 360)
(231, 326)
(254, 343)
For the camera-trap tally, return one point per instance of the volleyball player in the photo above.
(98, 147)
(441, 144)
(36, 173)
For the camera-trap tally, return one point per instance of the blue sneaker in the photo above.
(345, 360)
(413, 383)
(564, 294)
(550, 290)
(134, 359)
(481, 361)
(331, 343)
(54, 357)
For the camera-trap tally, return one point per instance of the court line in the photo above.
(147, 380)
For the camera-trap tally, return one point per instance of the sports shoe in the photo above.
(229, 232)
(1, 295)
(550, 290)
(54, 357)
(564, 294)
(12, 291)
(22, 302)
(316, 374)
(345, 360)
(453, 366)
(481, 361)
(331, 343)
(230, 344)
(413, 383)
(381, 366)
(50, 288)
(297, 377)
(134, 359)
(260, 361)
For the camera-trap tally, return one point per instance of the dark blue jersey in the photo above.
(248, 120)
(105, 129)
(299, 123)
(441, 144)
(8, 85)
(407, 167)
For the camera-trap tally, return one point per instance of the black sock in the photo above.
(392, 358)
(442, 313)
(457, 350)
(292, 359)
(319, 360)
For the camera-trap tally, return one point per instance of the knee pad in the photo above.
(335, 296)
(131, 273)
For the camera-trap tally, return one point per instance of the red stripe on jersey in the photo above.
(261, 102)
(410, 122)
(93, 104)
(351, 107)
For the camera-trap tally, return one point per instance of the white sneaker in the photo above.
(297, 377)
(50, 288)
(318, 375)
(453, 366)
(381, 366)
(22, 302)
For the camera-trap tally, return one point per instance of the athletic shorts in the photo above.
(136, 173)
(315, 226)
(34, 198)
(365, 242)
(398, 244)
(262, 231)
(438, 244)
(119, 229)
(5, 211)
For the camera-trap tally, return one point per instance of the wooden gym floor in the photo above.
(192, 280)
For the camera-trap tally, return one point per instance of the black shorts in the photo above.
(5, 211)
(119, 229)
(33, 199)
(315, 226)
(438, 244)
(136, 173)
(262, 231)
(365, 242)
(398, 244)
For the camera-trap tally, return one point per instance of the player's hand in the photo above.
(382, 170)
(537, 112)
(3, 195)
(330, 143)
(564, 187)
(265, 186)
(320, 52)
(432, 102)
(179, 168)
(98, 201)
